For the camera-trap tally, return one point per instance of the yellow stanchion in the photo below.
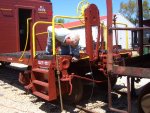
(33, 33)
(20, 59)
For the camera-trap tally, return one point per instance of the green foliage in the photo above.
(129, 10)
(146, 9)
(60, 20)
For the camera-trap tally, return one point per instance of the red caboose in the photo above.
(13, 23)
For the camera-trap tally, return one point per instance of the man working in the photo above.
(69, 41)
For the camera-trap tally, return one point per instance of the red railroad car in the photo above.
(13, 23)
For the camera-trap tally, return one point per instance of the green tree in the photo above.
(60, 20)
(146, 9)
(129, 10)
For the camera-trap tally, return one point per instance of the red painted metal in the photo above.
(92, 20)
(70, 77)
(43, 79)
(64, 62)
(24, 77)
(52, 84)
(109, 36)
(11, 59)
(9, 21)
(132, 71)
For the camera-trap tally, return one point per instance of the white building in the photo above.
(124, 37)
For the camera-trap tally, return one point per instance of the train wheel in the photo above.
(104, 85)
(77, 92)
(144, 99)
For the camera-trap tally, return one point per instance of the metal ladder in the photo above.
(43, 81)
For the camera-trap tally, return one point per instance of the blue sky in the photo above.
(68, 7)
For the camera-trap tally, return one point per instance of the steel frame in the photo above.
(123, 70)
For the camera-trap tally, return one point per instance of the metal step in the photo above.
(45, 97)
(40, 70)
(44, 84)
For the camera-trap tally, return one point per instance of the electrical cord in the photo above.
(20, 59)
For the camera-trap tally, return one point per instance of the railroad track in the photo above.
(97, 102)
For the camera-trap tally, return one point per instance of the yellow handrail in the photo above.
(20, 59)
(41, 33)
(85, 57)
(47, 32)
(53, 26)
(33, 34)
(127, 40)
